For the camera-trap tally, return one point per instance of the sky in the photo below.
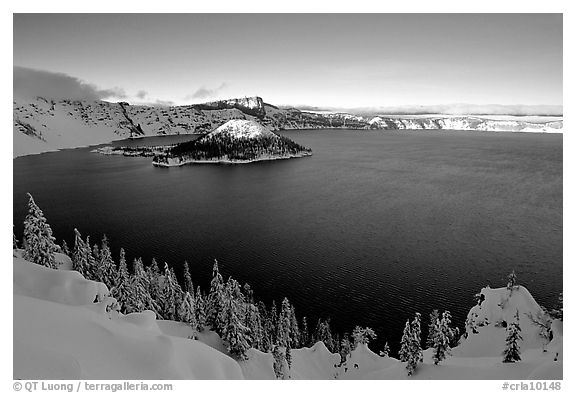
(323, 60)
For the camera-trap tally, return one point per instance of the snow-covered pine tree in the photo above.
(39, 244)
(80, 255)
(434, 316)
(362, 336)
(216, 302)
(188, 286)
(283, 328)
(187, 310)
(273, 316)
(417, 340)
(235, 334)
(386, 351)
(305, 334)
(279, 359)
(511, 281)
(122, 291)
(336, 340)
(324, 334)
(345, 348)
(405, 343)
(294, 329)
(267, 328)
(106, 267)
(253, 321)
(289, 357)
(65, 249)
(512, 351)
(141, 299)
(200, 310)
(171, 294)
(443, 334)
(154, 280)
(248, 293)
(558, 311)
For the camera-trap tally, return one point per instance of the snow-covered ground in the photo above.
(242, 129)
(63, 331)
(64, 328)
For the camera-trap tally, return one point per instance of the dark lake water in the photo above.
(371, 228)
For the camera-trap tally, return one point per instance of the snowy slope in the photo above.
(59, 333)
(238, 129)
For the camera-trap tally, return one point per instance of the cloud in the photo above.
(32, 83)
(142, 94)
(204, 92)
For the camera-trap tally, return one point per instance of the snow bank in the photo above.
(58, 334)
(490, 318)
(65, 287)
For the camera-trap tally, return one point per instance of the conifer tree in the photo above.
(65, 249)
(141, 299)
(283, 329)
(106, 268)
(253, 321)
(294, 329)
(511, 281)
(39, 246)
(336, 341)
(434, 316)
(362, 336)
(188, 286)
(273, 322)
(14, 240)
(81, 254)
(267, 328)
(289, 356)
(405, 343)
(411, 349)
(443, 335)
(386, 351)
(122, 290)
(345, 348)
(323, 334)
(305, 335)
(154, 281)
(235, 334)
(279, 359)
(216, 301)
(187, 310)
(249, 293)
(171, 294)
(512, 351)
(200, 310)
(416, 342)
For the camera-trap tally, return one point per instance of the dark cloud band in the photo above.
(30, 83)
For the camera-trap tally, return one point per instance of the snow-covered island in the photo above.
(235, 142)
(80, 314)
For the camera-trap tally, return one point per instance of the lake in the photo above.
(374, 226)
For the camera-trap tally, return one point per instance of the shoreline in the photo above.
(57, 149)
(229, 162)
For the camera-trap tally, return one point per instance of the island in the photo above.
(234, 142)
